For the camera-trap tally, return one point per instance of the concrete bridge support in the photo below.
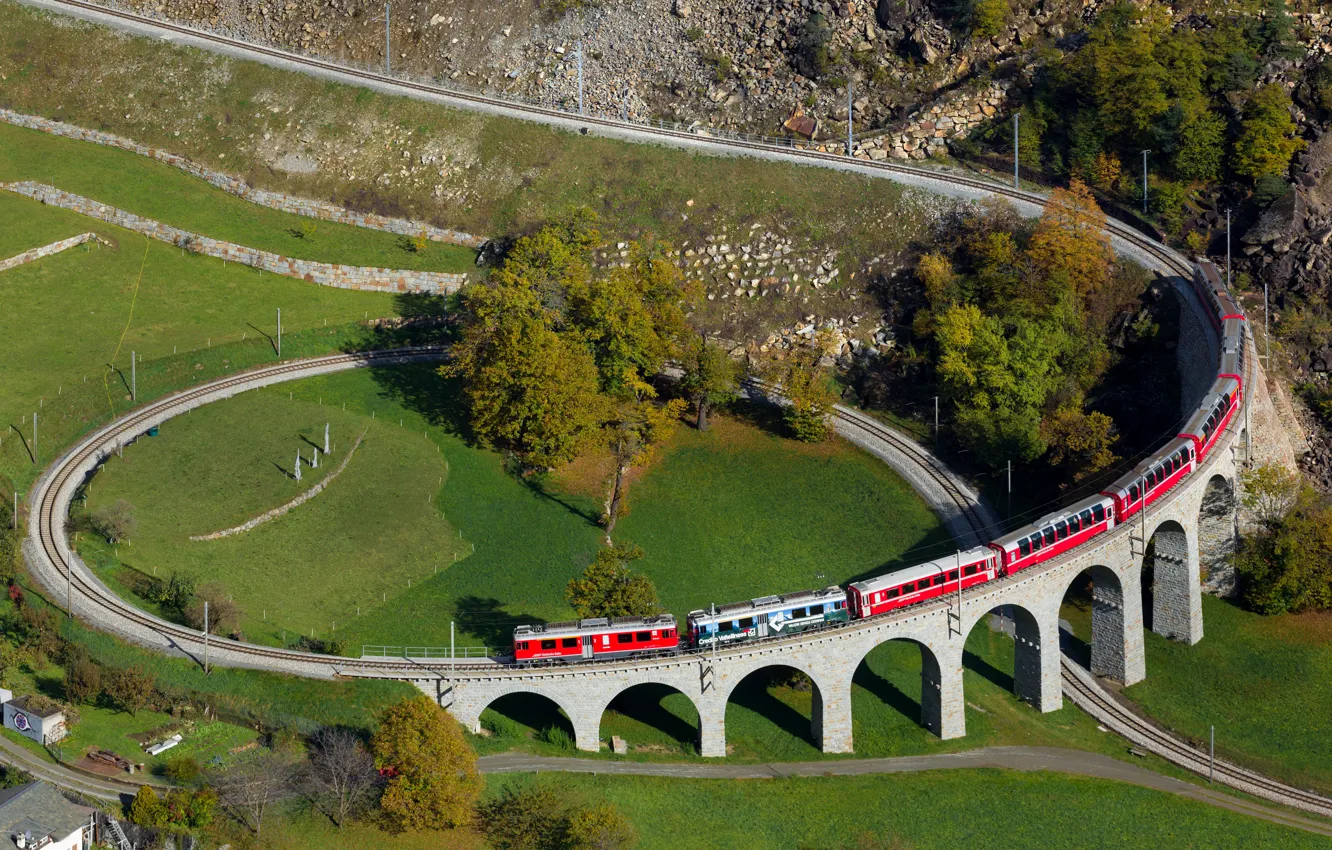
(1177, 586)
(943, 705)
(830, 717)
(1116, 644)
(1036, 673)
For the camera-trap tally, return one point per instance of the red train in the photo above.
(1051, 536)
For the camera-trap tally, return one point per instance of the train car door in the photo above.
(587, 646)
(761, 625)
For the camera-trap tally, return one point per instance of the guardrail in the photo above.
(430, 652)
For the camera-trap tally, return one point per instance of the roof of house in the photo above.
(23, 703)
(40, 809)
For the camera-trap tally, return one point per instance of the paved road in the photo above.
(1052, 759)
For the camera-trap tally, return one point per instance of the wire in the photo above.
(134, 300)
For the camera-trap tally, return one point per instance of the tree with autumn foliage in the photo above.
(632, 432)
(609, 588)
(432, 777)
(1080, 441)
(710, 377)
(1071, 247)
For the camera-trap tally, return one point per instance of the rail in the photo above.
(430, 652)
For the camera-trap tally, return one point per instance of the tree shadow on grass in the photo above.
(645, 703)
(487, 619)
(753, 694)
(973, 662)
(762, 415)
(421, 389)
(539, 486)
(530, 710)
(886, 692)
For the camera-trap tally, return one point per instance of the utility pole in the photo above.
(1144, 181)
(1010, 489)
(453, 665)
(850, 116)
(1267, 358)
(580, 76)
(936, 421)
(69, 590)
(34, 426)
(279, 333)
(388, 45)
(1211, 756)
(1228, 250)
(1017, 118)
(205, 637)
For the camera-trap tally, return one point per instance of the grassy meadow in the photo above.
(719, 515)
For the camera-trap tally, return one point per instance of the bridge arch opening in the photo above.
(1218, 535)
(1100, 627)
(896, 695)
(652, 717)
(528, 716)
(1010, 637)
(1171, 584)
(774, 712)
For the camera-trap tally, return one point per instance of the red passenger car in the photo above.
(1209, 423)
(596, 638)
(917, 584)
(1151, 479)
(1055, 534)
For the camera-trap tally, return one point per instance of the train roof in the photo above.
(1136, 473)
(595, 624)
(929, 568)
(1210, 274)
(1012, 538)
(764, 604)
(1205, 407)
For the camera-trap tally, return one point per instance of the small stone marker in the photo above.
(618, 746)
(298, 465)
(326, 437)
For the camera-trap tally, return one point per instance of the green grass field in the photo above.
(398, 510)
(964, 808)
(158, 191)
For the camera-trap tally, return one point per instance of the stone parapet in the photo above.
(324, 274)
(274, 200)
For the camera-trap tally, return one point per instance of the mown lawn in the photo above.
(158, 191)
(964, 808)
(1264, 682)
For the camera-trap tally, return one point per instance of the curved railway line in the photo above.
(63, 478)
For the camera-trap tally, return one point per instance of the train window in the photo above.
(1074, 525)
(569, 643)
(815, 610)
(1086, 517)
(624, 637)
(1098, 511)
(669, 633)
(746, 622)
(938, 580)
(1037, 541)
(840, 605)
(969, 571)
(643, 636)
(1133, 492)
(1049, 535)
(548, 644)
(1024, 548)
(952, 575)
(522, 645)
(894, 593)
(909, 587)
(1060, 530)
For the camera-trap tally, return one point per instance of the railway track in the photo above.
(1078, 684)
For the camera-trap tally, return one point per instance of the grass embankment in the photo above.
(159, 191)
(923, 810)
(477, 173)
(1260, 680)
(727, 515)
(65, 315)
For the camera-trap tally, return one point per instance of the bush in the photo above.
(115, 522)
(812, 58)
(1269, 189)
(83, 681)
(988, 17)
(147, 809)
(182, 769)
(556, 736)
(540, 819)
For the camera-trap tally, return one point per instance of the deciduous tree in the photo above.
(129, 689)
(249, 788)
(1269, 492)
(83, 681)
(710, 376)
(433, 782)
(638, 425)
(341, 775)
(115, 522)
(1070, 242)
(608, 588)
(1267, 139)
(1080, 441)
(147, 809)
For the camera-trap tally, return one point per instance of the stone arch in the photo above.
(1115, 647)
(1218, 535)
(656, 705)
(1036, 674)
(1171, 583)
(521, 711)
(939, 706)
(829, 720)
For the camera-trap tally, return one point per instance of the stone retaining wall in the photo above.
(324, 274)
(46, 251)
(927, 132)
(275, 200)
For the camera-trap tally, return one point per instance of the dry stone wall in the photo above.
(927, 132)
(275, 200)
(324, 274)
(46, 250)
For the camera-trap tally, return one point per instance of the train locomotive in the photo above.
(1056, 533)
